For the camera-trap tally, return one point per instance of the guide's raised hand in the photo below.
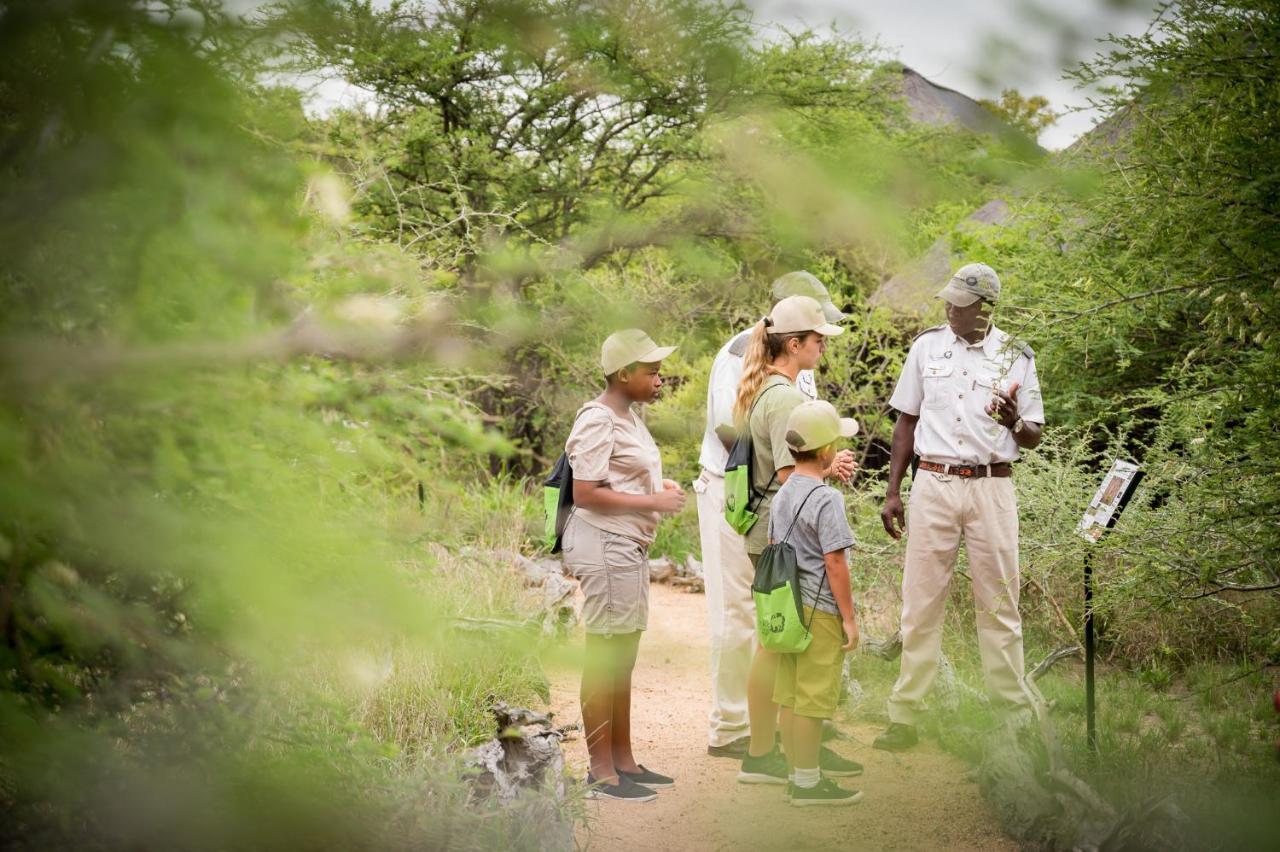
(1004, 406)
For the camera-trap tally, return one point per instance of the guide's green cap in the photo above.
(800, 313)
(630, 346)
(801, 283)
(815, 424)
(972, 282)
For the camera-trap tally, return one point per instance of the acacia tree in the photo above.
(527, 116)
(1162, 285)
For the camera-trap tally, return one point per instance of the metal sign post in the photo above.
(1103, 512)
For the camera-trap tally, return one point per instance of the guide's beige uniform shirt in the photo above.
(948, 383)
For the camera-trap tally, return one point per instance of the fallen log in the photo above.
(1042, 803)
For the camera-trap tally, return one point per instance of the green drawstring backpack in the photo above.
(776, 591)
(740, 496)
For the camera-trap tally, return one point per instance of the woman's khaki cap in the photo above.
(800, 313)
(630, 346)
(972, 282)
(815, 424)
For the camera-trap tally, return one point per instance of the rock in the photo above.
(661, 570)
(524, 754)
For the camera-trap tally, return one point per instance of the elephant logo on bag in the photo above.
(777, 622)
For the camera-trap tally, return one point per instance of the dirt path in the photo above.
(918, 800)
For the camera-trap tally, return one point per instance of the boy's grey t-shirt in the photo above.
(822, 528)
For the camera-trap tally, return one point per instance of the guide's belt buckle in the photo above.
(979, 471)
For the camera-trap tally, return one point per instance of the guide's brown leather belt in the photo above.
(977, 471)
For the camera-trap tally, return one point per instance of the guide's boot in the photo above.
(897, 737)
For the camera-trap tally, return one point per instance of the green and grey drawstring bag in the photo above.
(776, 591)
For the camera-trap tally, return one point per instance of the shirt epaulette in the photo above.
(928, 330)
(1023, 347)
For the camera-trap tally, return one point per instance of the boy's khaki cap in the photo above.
(801, 283)
(815, 424)
(972, 282)
(800, 313)
(630, 346)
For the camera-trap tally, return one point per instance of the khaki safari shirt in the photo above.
(619, 451)
(768, 425)
(949, 382)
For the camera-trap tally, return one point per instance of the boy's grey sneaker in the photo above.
(827, 792)
(768, 768)
(625, 790)
(897, 737)
(648, 778)
(835, 766)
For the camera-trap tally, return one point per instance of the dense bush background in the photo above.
(276, 385)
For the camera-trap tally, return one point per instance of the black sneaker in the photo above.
(625, 790)
(897, 737)
(769, 768)
(648, 778)
(827, 792)
(736, 749)
(835, 766)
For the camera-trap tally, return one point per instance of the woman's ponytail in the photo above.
(755, 371)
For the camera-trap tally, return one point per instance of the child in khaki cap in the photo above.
(810, 516)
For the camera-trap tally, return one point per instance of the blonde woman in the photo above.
(793, 337)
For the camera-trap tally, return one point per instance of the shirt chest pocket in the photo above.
(937, 380)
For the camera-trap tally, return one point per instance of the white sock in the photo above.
(807, 778)
(791, 776)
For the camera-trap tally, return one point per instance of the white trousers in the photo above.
(731, 614)
(941, 509)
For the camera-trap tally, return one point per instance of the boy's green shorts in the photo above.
(809, 683)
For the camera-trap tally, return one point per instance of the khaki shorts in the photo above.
(613, 571)
(809, 683)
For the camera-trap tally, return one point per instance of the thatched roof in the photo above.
(912, 289)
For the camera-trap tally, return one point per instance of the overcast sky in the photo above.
(953, 42)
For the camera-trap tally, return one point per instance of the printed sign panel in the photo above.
(1109, 499)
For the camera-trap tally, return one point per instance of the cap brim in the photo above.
(829, 330)
(656, 355)
(959, 298)
(848, 427)
(831, 312)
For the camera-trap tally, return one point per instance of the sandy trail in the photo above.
(918, 800)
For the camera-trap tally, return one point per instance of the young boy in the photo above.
(810, 516)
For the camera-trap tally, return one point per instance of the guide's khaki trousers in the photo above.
(731, 613)
(940, 510)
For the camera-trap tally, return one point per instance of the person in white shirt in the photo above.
(968, 402)
(726, 567)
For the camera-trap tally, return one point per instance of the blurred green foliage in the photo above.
(275, 387)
